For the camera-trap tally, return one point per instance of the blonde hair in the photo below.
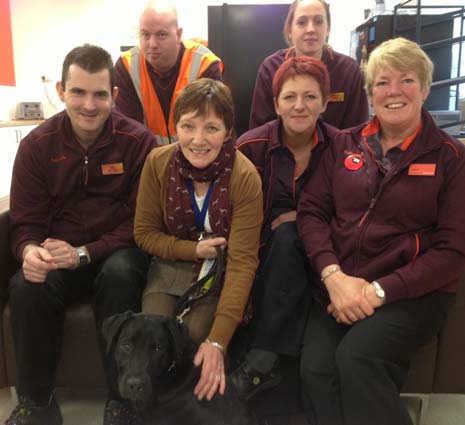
(399, 54)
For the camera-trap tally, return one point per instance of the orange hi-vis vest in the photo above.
(196, 59)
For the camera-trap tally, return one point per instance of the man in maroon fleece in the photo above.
(73, 192)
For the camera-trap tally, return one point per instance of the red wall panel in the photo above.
(7, 68)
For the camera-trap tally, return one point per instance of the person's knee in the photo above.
(125, 271)
(158, 303)
(200, 319)
(126, 262)
(34, 301)
(350, 358)
(197, 333)
(312, 367)
(23, 292)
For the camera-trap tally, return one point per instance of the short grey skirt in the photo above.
(171, 277)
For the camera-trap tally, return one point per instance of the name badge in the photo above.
(422, 170)
(336, 97)
(109, 169)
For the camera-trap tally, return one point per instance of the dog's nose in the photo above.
(136, 386)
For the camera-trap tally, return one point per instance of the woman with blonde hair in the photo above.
(382, 223)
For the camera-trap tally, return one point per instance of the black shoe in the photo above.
(249, 382)
(119, 412)
(28, 412)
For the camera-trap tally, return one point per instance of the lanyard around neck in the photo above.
(199, 215)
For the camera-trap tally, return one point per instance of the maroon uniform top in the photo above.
(397, 220)
(275, 163)
(61, 191)
(129, 103)
(347, 103)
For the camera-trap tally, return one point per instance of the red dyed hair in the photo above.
(302, 65)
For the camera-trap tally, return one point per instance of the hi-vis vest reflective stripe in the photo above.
(196, 59)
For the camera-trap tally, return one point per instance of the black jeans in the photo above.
(281, 293)
(353, 375)
(38, 310)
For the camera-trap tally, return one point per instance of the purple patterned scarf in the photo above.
(181, 220)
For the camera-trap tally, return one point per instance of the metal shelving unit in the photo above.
(451, 12)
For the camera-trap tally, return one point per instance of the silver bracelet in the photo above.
(215, 344)
(331, 271)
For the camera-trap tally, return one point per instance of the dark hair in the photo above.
(302, 65)
(290, 18)
(90, 58)
(205, 95)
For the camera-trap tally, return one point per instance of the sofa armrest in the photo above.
(8, 265)
(450, 361)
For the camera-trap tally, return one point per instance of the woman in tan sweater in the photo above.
(196, 187)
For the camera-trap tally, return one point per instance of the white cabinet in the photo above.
(10, 138)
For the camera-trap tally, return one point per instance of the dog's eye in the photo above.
(156, 347)
(126, 347)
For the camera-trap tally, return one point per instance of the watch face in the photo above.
(379, 291)
(82, 258)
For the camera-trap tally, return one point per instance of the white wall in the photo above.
(45, 30)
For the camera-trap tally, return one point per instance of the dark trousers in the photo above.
(281, 294)
(353, 375)
(38, 311)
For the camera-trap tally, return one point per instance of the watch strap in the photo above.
(83, 257)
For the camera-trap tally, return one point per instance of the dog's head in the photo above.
(147, 349)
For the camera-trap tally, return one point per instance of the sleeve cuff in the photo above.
(222, 330)
(324, 260)
(97, 250)
(394, 287)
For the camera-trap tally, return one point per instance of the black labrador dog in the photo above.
(154, 357)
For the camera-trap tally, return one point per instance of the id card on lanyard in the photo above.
(200, 215)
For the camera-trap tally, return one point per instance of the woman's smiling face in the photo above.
(201, 137)
(397, 98)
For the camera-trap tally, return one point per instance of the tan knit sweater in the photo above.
(151, 233)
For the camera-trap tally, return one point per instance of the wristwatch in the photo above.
(379, 291)
(83, 258)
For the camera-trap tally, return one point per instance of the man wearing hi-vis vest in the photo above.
(151, 77)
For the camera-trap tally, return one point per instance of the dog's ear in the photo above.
(179, 335)
(112, 326)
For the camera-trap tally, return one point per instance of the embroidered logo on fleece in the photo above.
(58, 159)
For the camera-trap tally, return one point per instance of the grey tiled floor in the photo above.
(86, 409)
(446, 410)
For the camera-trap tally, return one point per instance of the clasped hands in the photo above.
(352, 298)
(205, 248)
(51, 254)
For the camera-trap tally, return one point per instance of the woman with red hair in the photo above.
(286, 152)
